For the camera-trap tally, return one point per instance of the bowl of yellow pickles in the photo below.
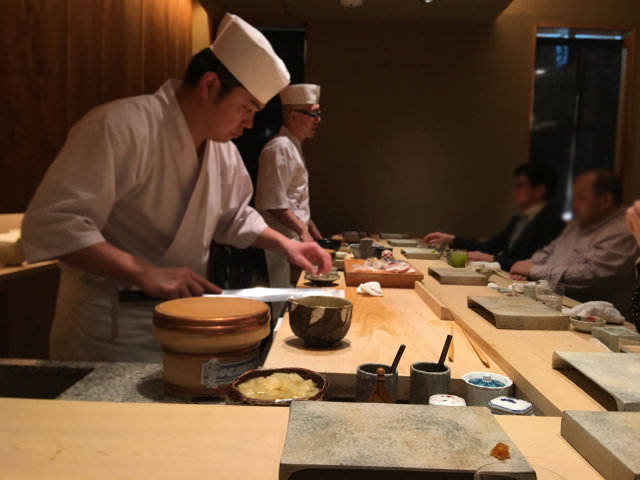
(277, 386)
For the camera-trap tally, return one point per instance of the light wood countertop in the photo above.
(525, 355)
(13, 271)
(378, 326)
(57, 439)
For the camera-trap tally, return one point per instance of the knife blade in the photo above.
(264, 294)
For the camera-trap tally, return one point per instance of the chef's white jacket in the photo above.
(129, 174)
(283, 180)
(283, 183)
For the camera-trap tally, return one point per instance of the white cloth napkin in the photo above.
(600, 309)
(494, 266)
(370, 288)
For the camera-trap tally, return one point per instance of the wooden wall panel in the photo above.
(34, 87)
(157, 55)
(63, 57)
(123, 73)
(84, 57)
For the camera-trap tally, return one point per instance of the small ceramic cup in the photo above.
(366, 378)
(366, 248)
(426, 380)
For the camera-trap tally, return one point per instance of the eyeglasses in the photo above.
(314, 114)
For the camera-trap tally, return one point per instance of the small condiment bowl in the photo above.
(326, 279)
(585, 323)
(235, 396)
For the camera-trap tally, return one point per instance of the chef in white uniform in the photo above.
(282, 188)
(141, 187)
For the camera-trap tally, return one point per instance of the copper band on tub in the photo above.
(227, 354)
(236, 325)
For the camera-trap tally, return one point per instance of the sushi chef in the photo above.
(141, 187)
(282, 187)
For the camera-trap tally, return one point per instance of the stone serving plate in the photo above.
(403, 242)
(235, 396)
(607, 440)
(518, 313)
(395, 236)
(421, 253)
(320, 321)
(615, 373)
(332, 440)
(457, 276)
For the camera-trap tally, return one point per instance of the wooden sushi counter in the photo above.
(68, 439)
(58, 439)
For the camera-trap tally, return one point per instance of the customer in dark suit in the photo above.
(531, 229)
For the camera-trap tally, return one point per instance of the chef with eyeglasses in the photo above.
(282, 188)
(141, 187)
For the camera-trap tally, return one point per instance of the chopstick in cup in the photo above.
(451, 346)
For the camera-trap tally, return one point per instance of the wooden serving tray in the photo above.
(386, 279)
(458, 276)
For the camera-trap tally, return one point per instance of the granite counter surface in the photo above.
(106, 381)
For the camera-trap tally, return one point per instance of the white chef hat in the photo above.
(248, 55)
(301, 94)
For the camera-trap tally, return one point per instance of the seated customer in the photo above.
(633, 222)
(534, 227)
(594, 257)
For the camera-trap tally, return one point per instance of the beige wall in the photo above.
(200, 36)
(425, 123)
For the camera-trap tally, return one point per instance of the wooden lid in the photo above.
(211, 315)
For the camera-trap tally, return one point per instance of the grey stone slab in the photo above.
(403, 242)
(338, 437)
(457, 276)
(611, 335)
(607, 440)
(519, 313)
(394, 235)
(616, 373)
(421, 253)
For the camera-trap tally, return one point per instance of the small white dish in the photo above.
(586, 323)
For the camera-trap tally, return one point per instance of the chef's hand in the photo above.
(309, 256)
(313, 230)
(476, 256)
(438, 237)
(633, 220)
(520, 270)
(306, 237)
(179, 282)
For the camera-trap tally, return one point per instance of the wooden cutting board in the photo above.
(607, 440)
(335, 440)
(616, 373)
(458, 276)
(386, 279)
(421, 253)
(518, 313)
